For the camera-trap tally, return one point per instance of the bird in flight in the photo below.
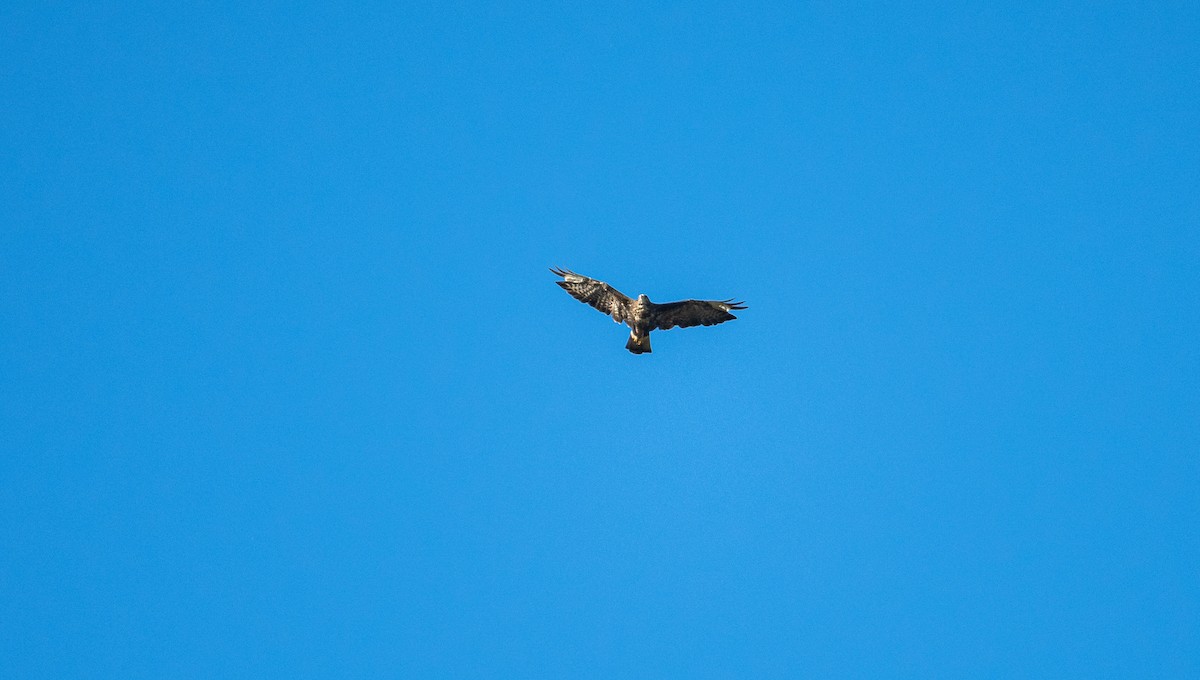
(642, 315)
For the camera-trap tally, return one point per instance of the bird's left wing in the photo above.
(694, 313)
(596, 293)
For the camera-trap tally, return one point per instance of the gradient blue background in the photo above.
(287, 390)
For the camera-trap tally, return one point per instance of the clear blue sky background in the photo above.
(288, 391)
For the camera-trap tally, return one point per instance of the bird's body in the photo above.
(642, 315)
(640, 325)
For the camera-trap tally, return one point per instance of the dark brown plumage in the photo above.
(642, 315)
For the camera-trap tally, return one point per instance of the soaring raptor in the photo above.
(642, 315)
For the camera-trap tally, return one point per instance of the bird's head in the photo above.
(643, 299)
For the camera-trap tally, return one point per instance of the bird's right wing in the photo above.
(596, 293)
(694, 313)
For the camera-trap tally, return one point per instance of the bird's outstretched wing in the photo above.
(596, 293)
(694, 313)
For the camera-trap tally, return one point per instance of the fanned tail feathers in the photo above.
(638, 345)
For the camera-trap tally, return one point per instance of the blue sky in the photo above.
(286, 389)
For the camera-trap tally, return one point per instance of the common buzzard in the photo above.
(642, 315)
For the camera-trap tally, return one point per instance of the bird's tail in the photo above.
(638, 345)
